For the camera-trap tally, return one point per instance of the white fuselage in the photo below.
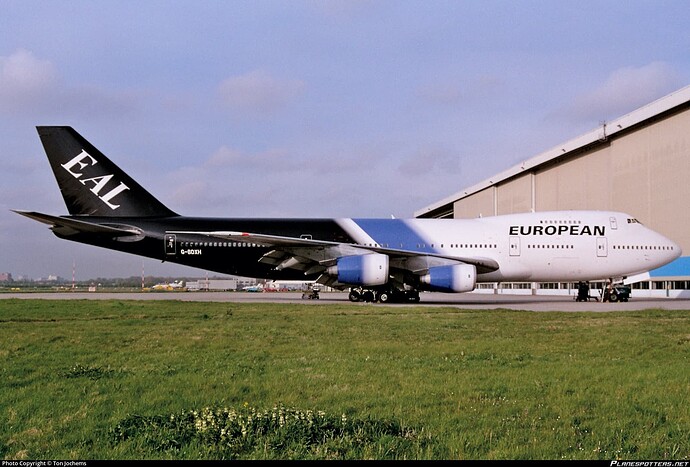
(544, 246)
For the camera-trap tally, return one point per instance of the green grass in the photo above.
(114, 379)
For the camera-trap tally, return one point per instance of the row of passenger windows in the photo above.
(422, 246)
(560, 221)
(615, 247)
(442, 245)
(386, 245)
(642, 247)
(216, 244)
(554, 246)
(461, 245)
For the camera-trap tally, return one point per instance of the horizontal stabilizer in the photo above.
(70, 226)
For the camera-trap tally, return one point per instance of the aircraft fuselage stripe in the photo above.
(394, 233)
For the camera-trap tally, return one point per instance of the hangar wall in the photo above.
(580, 183)
(516, 195)
(477, 205)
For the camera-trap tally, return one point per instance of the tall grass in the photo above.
(123, 380)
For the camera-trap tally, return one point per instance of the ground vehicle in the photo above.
(583, 293)
(311, 293)
(619, 293)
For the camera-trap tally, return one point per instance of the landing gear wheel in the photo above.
(368, 296)
(384, 297)
(354, 296)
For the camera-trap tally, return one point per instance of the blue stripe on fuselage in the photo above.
(394, 233)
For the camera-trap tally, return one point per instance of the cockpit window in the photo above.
(633, 221)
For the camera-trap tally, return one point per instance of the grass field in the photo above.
(187, 380)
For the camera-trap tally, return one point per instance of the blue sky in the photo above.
(309, 108)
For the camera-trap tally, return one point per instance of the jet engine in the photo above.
(368, 270)
(456, 278)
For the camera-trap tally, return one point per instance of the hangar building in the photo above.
(638, 164)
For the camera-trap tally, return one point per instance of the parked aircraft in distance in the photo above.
(175, 285)
(377, 259)
(253, 288)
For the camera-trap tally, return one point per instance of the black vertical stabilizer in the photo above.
(90, 183)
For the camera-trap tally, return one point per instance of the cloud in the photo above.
(229, 178)
(31, 86)
(233, 160)
(258, 93)
(441, 93)
(24, 79)
(625, 90)
(224, 157)
(429, 161)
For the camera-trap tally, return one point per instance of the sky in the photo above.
(308, 108)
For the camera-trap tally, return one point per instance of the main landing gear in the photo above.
(383, 296)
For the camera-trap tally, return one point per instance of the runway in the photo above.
(467, 301)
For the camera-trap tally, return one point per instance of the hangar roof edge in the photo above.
(639, 115)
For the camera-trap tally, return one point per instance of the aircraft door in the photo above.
(170, 244)
(602, 247)
(614, 224)
(514, 246)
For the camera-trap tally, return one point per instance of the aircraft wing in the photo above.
(312, 255)
(70, 226)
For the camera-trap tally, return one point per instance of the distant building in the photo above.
(212, 284)
(5, 277)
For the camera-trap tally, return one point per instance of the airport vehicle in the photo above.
(311, 292)
(618, 293)
(377, 259)
(583, 293)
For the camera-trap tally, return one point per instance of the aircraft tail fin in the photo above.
(90, 183)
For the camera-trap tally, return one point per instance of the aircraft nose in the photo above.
(672, 249)
(676, 250)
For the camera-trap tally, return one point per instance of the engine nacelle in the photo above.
(457, 278)
(368, 270)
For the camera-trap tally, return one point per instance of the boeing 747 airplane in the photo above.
(377, 259)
